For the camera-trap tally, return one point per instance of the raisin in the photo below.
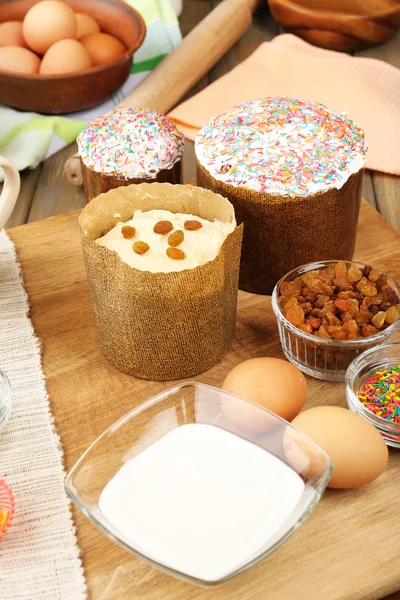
(374, 275)
(299, 281)
(392, 295)
(340, 335)
(366, 271)
(176, 238)
(321, 300)
(354, 274)
(163, 227)
(314, 323)
(342, 284)
(368, 330)
(341, 269)
(289, 288)
(363, 317)
(378, 319)
(373, 309)
(140, 247)
(369, 290)
(384, 306)
(334, 329)
(291, 302)
(331, 319)
(323, 333)
(128, 232)
(192, 225)
(350, 327)
(346, 316)
(343, 305)
(354, 306)
(391, 315)
(305, 327)
(306, 306)
(175, 253)
(346, 295)
(295, 315)
(363, 281)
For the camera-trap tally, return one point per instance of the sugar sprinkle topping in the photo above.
(283, 146)
(131, 143)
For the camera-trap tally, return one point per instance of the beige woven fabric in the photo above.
(366, 88)
(39, 557)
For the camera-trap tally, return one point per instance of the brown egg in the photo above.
(65, 56)
(19, 60)
(11, 34)
(357, 449)
(48, 22)
(270, 382)
(102, 47)
(86, 25)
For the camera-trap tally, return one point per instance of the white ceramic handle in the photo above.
(9, 195)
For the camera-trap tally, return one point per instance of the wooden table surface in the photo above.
(348, 549)
(46, 192)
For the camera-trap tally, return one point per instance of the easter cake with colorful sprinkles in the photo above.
(293, 170)
(129, 145)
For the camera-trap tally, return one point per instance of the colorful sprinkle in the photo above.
(380, 394)
(131, 143)
(282, 146)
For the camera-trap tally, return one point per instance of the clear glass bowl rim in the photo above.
(70, 489)
(352, 398)
(382, 335)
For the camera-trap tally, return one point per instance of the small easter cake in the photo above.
(162, 263)
(129, 145)
(293, 171)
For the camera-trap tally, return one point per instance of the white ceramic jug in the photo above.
(10, 192)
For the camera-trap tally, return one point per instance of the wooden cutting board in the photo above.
(348, 549)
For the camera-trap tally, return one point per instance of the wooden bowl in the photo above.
(346, 25)
(56, 94)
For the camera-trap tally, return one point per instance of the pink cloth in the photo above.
(367, 89)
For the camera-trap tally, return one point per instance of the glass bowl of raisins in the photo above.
(331, 311)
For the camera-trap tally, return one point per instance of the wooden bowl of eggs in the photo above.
(63, 56)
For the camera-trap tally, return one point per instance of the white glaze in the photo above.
(199, 246)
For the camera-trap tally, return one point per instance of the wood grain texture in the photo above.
(349, 548)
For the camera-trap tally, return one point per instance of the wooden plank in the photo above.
(387, 187)
(87, 395)
(368, 189)
(53, 194)
(29, 180)
(263, 29)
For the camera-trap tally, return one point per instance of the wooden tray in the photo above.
(348, 549)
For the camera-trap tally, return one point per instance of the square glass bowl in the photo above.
(324, 358)
(5, 400)
(188, 403)
(361, 369)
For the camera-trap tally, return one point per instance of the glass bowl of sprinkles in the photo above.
(373, 390)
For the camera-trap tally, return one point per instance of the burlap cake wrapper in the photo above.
(282, 233)
(161, 326)
(95, 183)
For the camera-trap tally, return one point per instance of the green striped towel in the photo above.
(28, 138)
